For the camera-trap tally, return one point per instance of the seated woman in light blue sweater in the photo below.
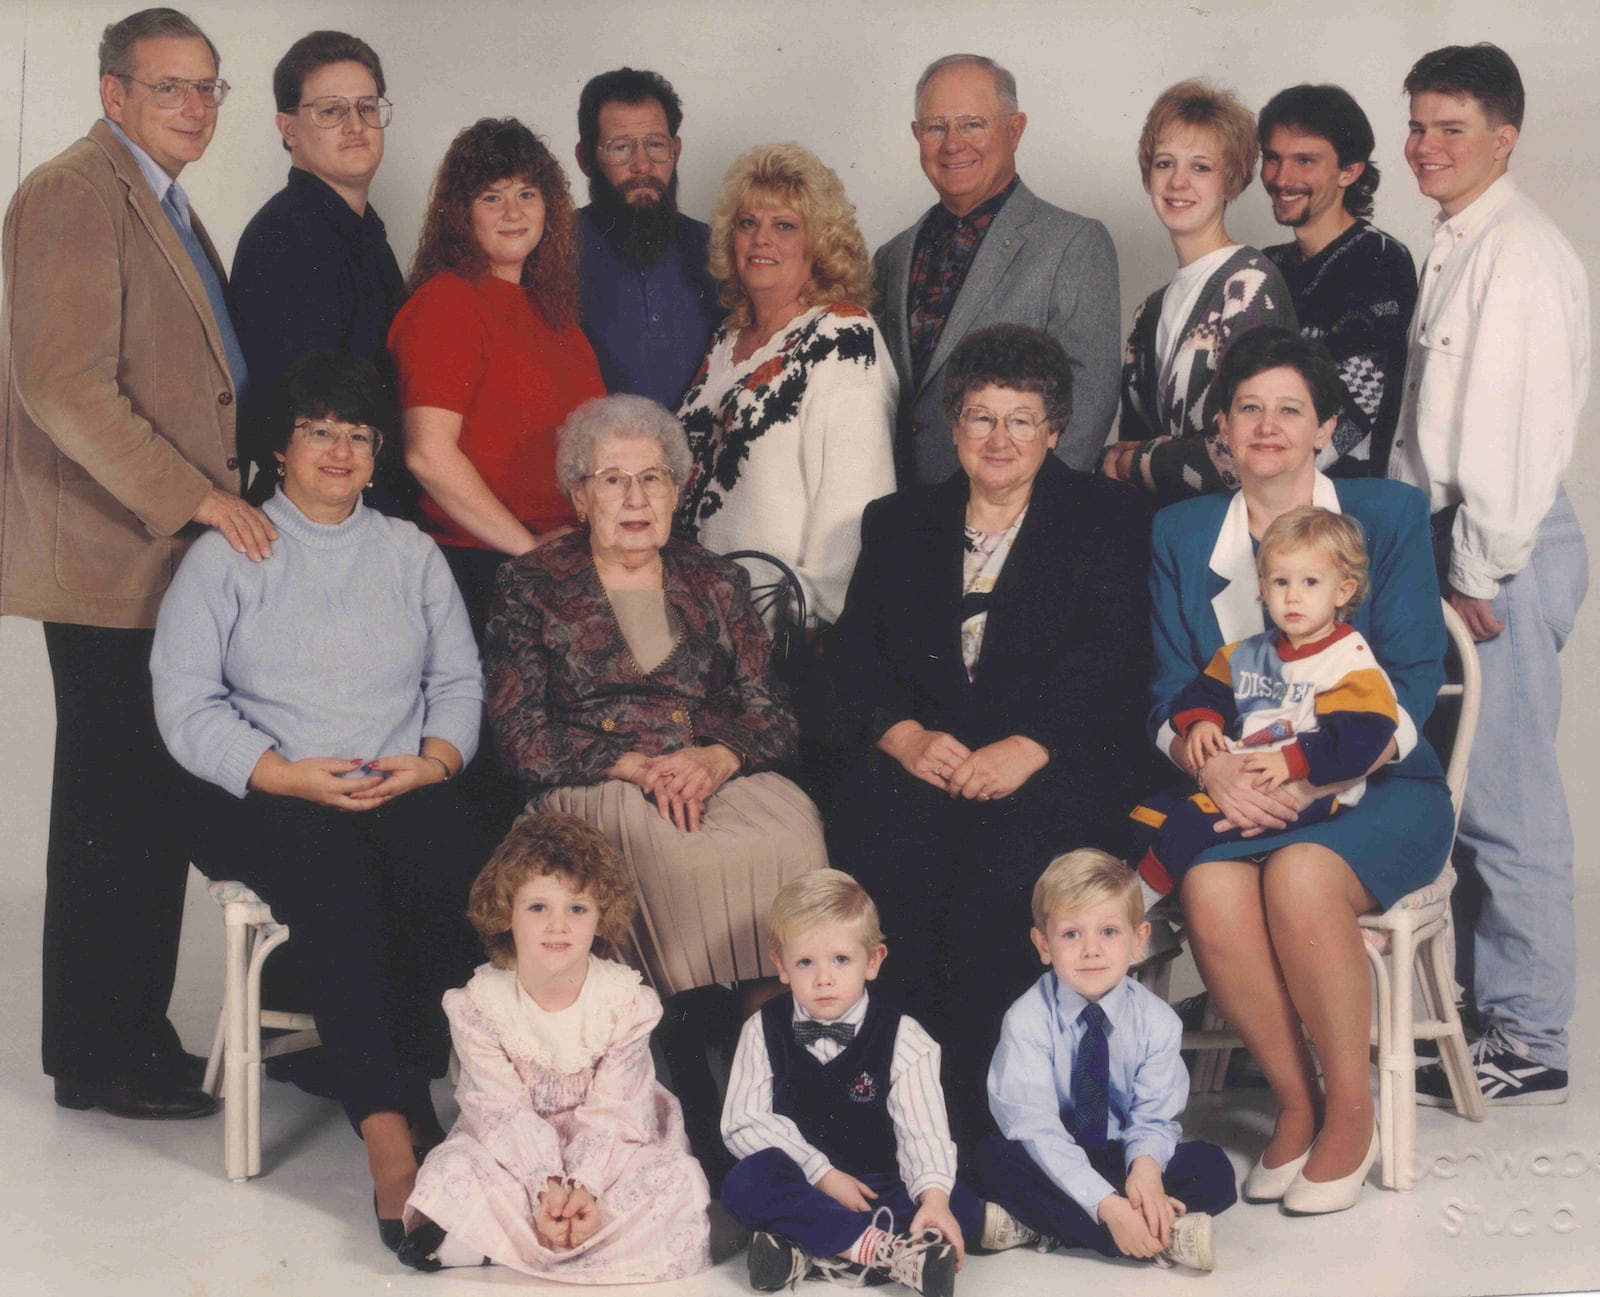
(323, 698)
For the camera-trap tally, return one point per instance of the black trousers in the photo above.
(376, 907)
(953, 881)
(115, 868)
(494, 795)
(1199, 1176)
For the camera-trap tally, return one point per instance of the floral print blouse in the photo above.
(566, 699)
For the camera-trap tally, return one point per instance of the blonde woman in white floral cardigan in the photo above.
(790, 417)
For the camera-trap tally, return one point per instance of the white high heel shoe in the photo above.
(1270, 1183)
(1319, 1197)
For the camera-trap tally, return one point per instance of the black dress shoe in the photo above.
(421, 1247)
(391, 1230)
(191, 1072)
(137, 1099)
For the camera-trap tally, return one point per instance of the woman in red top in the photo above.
(489, 354)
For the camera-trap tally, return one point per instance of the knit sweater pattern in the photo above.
(351, 640)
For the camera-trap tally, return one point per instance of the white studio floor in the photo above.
(96, 1205)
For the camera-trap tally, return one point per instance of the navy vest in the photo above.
(842, 1107)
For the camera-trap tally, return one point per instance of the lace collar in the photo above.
(568, 1041)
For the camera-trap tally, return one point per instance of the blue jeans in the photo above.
(1514, 846)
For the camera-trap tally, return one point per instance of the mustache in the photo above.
(642, 182)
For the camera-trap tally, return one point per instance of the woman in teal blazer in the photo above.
(1276, 936)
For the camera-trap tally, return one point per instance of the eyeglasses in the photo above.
(319, 436)
(970, 127)
(173, 92)
(978, 424)
(327, 111)
(657, 482)
(621, 148)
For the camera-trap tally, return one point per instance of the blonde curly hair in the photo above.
(789, 175)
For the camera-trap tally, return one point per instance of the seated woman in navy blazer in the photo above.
(995, 644)
(1277, 942)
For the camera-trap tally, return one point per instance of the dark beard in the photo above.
(640, 232)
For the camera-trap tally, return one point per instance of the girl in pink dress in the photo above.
(568, 1160)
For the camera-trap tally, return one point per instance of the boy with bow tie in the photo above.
(834, 1107)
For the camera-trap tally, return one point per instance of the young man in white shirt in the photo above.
(1496, 378)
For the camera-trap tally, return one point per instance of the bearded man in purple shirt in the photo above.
(649, 304)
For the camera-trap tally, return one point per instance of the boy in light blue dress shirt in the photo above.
(1086, 1087)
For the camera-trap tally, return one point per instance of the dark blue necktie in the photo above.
(1091, 1075)
(215, 293)
(808, 1032)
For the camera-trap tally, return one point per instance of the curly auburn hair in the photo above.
(540, 844)
(771, 175)
(493, 149)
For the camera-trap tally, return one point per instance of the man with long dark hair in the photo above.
(1354, 286)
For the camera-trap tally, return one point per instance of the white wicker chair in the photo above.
(1409, 947)
(1410, 944)
(237, 1051)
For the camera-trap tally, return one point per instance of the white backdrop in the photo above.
(836, 75)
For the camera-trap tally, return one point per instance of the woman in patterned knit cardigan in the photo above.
(1197, 153)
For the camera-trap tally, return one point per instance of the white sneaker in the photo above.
(925, 1262)
(1002, 1230)
(1191, 1244)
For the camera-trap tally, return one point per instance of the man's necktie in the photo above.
(1091, 1075)
(215, 293)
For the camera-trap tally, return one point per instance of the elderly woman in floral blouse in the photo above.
(630, 684)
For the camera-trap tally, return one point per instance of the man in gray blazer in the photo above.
(117, 445)
(991, 252)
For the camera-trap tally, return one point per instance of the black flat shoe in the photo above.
(138, 1100)
(391, 1230)
(421, 1246)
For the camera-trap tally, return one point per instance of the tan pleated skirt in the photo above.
(704, 896)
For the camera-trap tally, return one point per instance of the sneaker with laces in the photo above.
(836, 1270)
(1002, 1230)
(1191, 1244)
(1507, 1075)
(923, 1262)
(775, 1262)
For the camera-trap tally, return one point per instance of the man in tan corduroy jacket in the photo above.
(116, 448)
